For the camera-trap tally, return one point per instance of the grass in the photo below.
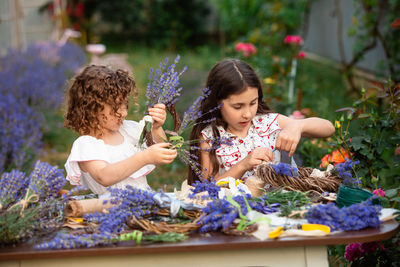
(322, 86)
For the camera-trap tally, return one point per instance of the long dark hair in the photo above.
(227, 77)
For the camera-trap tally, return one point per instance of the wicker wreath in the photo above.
(302, 183)
(163, 227)
(177, 123)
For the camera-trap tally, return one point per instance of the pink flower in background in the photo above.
(356, 250)
(294, 39)
(301, 55)
(352, 251)
(247, 48)
(379, 192)
(297, 115)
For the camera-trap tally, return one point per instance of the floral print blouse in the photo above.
(262, 133)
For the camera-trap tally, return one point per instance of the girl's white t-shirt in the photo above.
(262, 133)
(87, 148)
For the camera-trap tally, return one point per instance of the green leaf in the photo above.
(391, 192)
(397, 199)
(356, 142)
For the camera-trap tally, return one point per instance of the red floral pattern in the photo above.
(262, 133)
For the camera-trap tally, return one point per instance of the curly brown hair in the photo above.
(90, 90)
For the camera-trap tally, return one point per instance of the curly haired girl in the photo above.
(107, 152)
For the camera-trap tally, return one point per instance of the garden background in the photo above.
(314, 57)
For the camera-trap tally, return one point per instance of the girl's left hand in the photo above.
(289, 137)
(159, 115)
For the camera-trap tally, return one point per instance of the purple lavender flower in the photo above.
(284, 169)
(12, 187)
(69, 241)
(132, 202)
(31, 81)
(209, 186)
(164, 83)
(344, 170)
(46, 180)
(218, 214)
(355, 217)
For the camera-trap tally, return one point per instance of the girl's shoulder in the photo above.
(87, 140)
(132, 130)
(266, 122)
(265, 119)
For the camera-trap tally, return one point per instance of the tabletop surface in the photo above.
(205, 242)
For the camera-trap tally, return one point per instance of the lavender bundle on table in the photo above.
(29, 203)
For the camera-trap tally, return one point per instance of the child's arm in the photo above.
(255, 158)
(159, 116)
(108, 174)
(294, 129)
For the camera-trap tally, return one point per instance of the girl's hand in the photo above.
(160, 154)
(289, 137)
(256, 157)
(158, 114)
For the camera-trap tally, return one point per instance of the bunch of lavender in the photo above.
(355, 217)
(344, 170)
(45, 181)
(284, 201)
(69, 241)
(131, 202)
(205, 186)
(12, 187)
(164, 83)
(261, 204)
(217, 214)
(30, 204)
(282, 168)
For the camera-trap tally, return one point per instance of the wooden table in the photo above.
(213, 249)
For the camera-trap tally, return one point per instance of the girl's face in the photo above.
(110, 121)
(239, 110)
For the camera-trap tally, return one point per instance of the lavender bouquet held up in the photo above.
(164, 88)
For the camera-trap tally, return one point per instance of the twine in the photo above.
(25, 202)
(302, 183)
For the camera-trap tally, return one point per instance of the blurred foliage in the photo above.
(172, 24)
(373, 26)
(369, 132)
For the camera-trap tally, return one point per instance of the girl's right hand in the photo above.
(160, 154)
(256, 157)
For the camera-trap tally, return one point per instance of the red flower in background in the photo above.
(248, 49)
(300, 55)
(294, 39)
(337, 156)
(79, 10)
(379, 192)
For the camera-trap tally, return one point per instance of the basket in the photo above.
(303, 183)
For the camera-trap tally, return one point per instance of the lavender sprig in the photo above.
(12, 187)
(344, 170)
(164, 83)
(284, 169)
(355, 217)
(69, 241)
(205, 186)
(132, 202)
